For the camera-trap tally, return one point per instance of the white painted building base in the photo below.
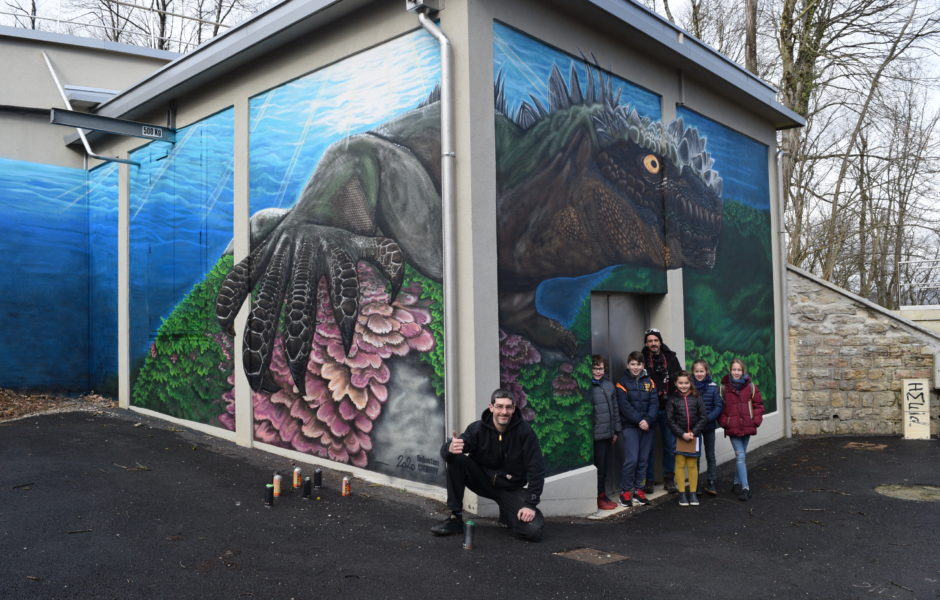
(565, 495)
(569, 494)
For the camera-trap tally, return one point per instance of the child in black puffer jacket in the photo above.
(685, 414)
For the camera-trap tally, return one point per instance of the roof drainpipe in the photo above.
(448, 201)
(785, 290)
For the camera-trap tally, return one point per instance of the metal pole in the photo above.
(81, 132)
(448, 201)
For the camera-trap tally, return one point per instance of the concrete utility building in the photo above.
(332, 231)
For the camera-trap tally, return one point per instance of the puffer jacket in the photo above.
(738, 418)
(711, 398)
(606, 411)
(637, 399)
(680, 421)
(511, 459)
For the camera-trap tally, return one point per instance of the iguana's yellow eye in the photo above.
(652, 164)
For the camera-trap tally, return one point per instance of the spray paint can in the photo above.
(277, 484)
(307, 487)
(468, 535)
(347, 489)
(317, 479)
(297, 477)
(269, 495)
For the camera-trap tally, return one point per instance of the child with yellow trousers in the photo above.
(686, 416)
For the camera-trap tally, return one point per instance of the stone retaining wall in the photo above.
(848, 358)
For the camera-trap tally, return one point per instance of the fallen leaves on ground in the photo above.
(16, 405)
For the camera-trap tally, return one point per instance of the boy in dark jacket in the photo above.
(639, 404)
(606, 426)
(685, 414)
(496, 457)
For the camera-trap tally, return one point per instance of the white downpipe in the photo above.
(448, 201)
(785, 305)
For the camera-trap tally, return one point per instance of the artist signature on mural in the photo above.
(419, 463)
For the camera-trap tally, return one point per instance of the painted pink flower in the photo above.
(344, 393)
(514, 353)
(564, 384)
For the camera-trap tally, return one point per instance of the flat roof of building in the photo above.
(83, 42)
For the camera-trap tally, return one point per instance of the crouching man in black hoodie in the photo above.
(496, 457)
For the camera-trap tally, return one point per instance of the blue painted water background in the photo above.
(293, 124)
(181, 215)
(44, 277)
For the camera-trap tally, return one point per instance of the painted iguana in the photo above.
(582, 184)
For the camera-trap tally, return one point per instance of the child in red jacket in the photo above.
(742, 414)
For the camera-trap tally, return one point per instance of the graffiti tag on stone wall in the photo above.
(916, 409)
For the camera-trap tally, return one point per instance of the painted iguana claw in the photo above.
(285, 272)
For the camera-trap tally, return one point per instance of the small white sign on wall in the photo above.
(916, 411)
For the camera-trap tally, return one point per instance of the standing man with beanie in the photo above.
(662, 366)
(499, 458)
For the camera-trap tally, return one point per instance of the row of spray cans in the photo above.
(277, 487)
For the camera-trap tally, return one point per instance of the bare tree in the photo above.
(750, 35)
(858, 175)
(24, 16)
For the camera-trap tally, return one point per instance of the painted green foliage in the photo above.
(563, 415)
(433, 292)
(731, 307)
(187, 370)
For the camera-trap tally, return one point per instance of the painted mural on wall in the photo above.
(730, 308)
(45, 300)
(180, 223)
(343, 346)
(102, 197)
(594, 192)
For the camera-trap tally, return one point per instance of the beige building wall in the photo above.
(925, 316)
(28, 84)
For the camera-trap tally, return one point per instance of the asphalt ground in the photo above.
(115, 505)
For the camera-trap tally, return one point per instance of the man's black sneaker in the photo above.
(745, 495)
(670, 486)
(452, 525)
(648, 488)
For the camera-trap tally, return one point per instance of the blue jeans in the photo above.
(740, 456)
(636, 451)
(669, 449)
